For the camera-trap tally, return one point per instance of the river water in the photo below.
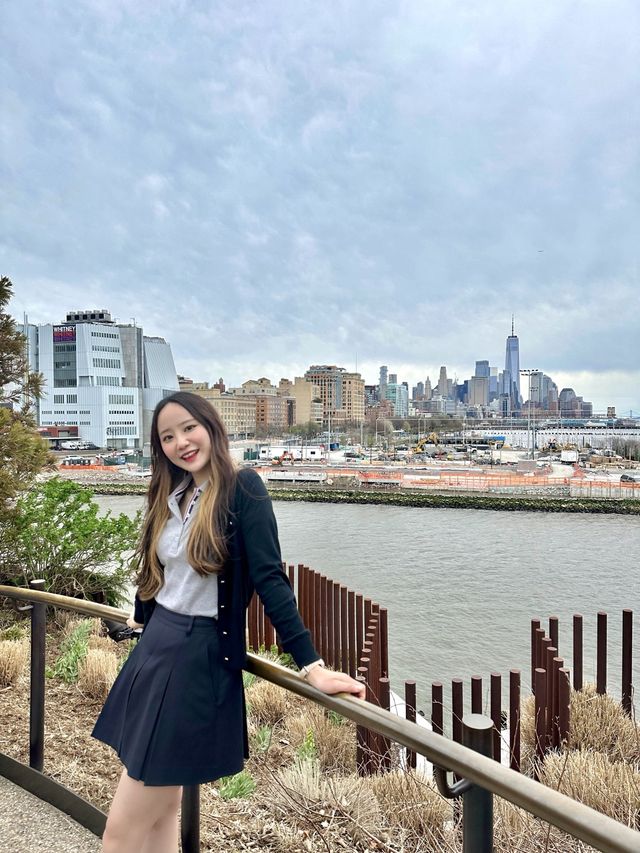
(462, 585)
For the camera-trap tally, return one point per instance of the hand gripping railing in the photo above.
(480, 772)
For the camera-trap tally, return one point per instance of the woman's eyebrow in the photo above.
(181, 424)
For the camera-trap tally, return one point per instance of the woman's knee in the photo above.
(118, 836)
(137, 808)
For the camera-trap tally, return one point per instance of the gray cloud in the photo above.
(283, 183)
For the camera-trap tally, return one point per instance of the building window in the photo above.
(72, 398)
(107, 362)
(58, 398)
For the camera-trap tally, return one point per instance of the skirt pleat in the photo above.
(174, 715)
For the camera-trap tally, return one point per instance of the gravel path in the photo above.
(29, 825)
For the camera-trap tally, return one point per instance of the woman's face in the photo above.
(185, 441)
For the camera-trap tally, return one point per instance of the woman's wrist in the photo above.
(309, 667)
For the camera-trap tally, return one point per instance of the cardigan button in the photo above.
(225, 633)
(226, 658)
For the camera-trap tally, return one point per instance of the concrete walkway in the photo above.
(29, 825)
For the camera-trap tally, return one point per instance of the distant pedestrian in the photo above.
(176, 713)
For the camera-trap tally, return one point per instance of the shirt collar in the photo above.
(180, 489)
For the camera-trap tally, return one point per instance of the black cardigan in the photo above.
(254, 562)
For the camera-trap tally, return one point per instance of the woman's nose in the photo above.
(182, 439)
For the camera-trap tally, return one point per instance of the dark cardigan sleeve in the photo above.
(264, 564)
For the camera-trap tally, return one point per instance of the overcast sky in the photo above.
(275, 184)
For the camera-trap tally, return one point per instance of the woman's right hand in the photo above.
(335, 682)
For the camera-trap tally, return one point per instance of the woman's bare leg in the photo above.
(138, 812)
(163, 835)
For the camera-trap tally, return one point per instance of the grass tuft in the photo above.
(598, 723)
(335, 743)
(13, 659)
(304, 794)
(97, 672)
(267, 703)
(410, 802)
(73, 650)
(236, 787)
(593, 778)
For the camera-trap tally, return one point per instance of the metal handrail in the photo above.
(581, 821)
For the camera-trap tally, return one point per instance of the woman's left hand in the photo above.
(335, 682)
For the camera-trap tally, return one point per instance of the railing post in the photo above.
(627, 646)
(540, 717)
(514, 719)
(496, 714)
(477, 808)
(190, 819)
(410, 715)
(601, 653)
(535, 625)
(36, 705)
(577, 651)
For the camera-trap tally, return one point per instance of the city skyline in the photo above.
(512, 346)
(278, 185)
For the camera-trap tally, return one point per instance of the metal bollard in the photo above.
(477, 809)
(190, 819)
(36, 703)
(477, 804)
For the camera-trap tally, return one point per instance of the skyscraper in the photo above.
(443, 382)
(511, 374)
(482, 368)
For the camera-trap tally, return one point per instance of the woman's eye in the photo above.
(166, 438)
(190, 427)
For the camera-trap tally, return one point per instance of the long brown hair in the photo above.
(207, 549)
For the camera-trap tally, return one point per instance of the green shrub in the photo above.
(56, 534)
(262, 739)
(236, 787)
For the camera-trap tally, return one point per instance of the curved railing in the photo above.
(482, 773)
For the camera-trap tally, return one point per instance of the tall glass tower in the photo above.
(511, 375)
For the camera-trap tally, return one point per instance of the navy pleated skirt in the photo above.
(174, 715)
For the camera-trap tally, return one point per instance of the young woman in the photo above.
(176, 714)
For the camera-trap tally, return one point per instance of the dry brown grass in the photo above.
(98, 641)
(612, 787)
(267, 702)
(410, 802)
(304, 795)
(97, 672)
(14, 655)
(517, 830)
(335, 739)
(61, 618)
(598, 724)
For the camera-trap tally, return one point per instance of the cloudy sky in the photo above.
(274, 184)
